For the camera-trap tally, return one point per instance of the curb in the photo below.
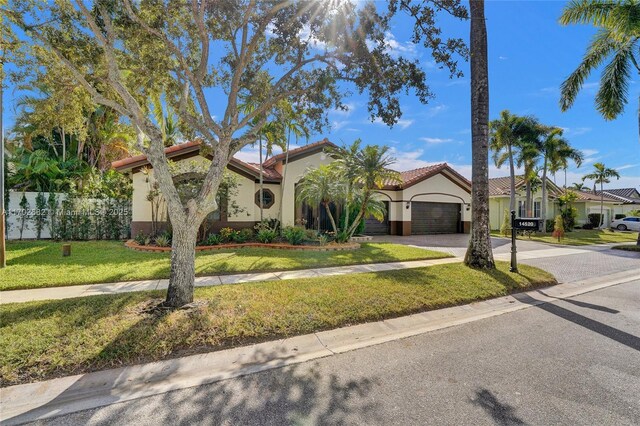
(40, 400)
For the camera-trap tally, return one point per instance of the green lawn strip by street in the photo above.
(40, 340)
(627, 247)
(35, 264)
(580, 237)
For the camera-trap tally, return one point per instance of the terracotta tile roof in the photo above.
(409, 177)
(312, 147)
(592, 196)
(625, 195)
(502, 185)
(412, 177)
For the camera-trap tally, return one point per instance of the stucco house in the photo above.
(586, 203)
(628, 199)
(434, 199)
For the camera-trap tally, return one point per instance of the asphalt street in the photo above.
(576, 361)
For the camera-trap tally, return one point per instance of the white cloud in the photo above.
(502, 58)
(436, 140)
(395, 48)
(575, 131)
(402, 123)
(627, 166)
(589, 152)
(436, 110)
(338, 124)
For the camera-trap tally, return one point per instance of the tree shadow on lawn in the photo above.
(295, 394)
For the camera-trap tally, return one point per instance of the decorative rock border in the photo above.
(360, 238)
(131, 244)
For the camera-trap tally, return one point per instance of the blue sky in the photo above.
(529, 56)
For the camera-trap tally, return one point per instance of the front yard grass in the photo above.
(40, 340)
(581, 237)
(34, 264)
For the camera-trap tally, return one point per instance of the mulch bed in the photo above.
(279, 246)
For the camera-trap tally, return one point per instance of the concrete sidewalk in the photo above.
(65, 395)
(54, 293)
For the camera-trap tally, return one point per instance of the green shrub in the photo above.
(587, 226)
(549, 225)
(323, 239)
(558, 228)
(272, 224)
(213, 240)
(41, 214)
(310, 235)
(569, 216)
(266, 236)
(505, 228)
(140, 238)
(294, 235)
(163, 240)
(227, 234)
(242, 236)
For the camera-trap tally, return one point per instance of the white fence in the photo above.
(80, 219)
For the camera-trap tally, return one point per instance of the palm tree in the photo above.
(528, 156)
(580, 186)
(365, 170)
(601, 174)
(505, 138)
(556, 151)
(321, 186)
(293, 122)
(479, 253)
(618, 37)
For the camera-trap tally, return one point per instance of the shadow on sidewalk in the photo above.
(295, 394)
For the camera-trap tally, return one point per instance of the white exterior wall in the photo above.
(295, 171)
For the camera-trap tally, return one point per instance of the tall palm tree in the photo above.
(293, 123)
(601, 174)
(556, 151)
(618, 38)
(479, 253)
(506, 134)
(528, 156)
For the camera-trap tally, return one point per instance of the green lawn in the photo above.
(40, 340)
(32, 264)
(582, 237)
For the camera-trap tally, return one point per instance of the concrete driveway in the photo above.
(582, 262)
(456, 244)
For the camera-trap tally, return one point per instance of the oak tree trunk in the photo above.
(183, 256)
(479, 253)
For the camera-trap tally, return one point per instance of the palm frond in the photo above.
(614, 84)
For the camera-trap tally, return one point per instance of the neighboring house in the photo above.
(587, 202)
(434, 199)
(628, 198)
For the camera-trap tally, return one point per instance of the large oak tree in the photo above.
(205, 58)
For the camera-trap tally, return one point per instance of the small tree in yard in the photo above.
(363, 171)
(505, 229)
(126, 53)
(322, 186)
(558, 228)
